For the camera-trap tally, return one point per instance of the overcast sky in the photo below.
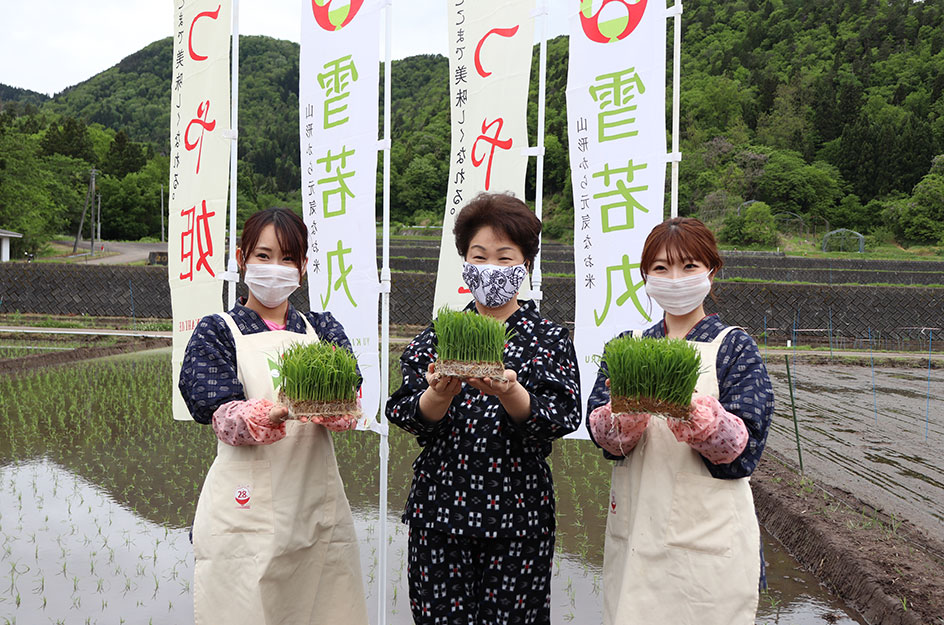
(49, 45)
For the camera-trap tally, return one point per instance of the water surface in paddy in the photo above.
(98, 488)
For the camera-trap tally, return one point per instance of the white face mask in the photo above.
(271, 284)
(681, 295)
(493, 285)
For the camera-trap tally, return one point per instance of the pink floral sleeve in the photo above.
(712, 431)
(617, 433)
(246, 422)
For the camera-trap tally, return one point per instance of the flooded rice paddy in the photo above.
(98, 487)
(878, 434)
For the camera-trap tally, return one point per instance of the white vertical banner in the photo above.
(489, 71)
(617, 141)
(339, 71)
(199, 169)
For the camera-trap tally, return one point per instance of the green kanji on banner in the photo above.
(622, 194)
(615, 92)
(337, 181)
(625, 268)
(336, 82)
(336, 261)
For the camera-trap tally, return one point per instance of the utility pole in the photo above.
(89, 194)
(99, 218)
(162, 213)
(92, 229)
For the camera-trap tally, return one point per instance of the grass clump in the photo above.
(657, 376)
(318, 378)
(468, 341)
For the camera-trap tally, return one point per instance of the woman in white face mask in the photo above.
(682, 540)
(273, 534)
(481, 508)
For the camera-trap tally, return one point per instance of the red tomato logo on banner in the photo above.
(337, 18)
(614, 20)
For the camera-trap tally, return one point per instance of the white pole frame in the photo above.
(231, 274)
(539, 13)
(384, 324)
(675, 11)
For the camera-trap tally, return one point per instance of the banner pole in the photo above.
(232, 271)
(385, 324)
(536, 280)
(676, 12)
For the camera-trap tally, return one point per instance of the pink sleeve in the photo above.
(617, 433)
(246, 423)
(713, 432)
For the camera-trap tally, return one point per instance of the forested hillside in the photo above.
(832, 111)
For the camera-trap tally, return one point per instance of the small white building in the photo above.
(5, 236)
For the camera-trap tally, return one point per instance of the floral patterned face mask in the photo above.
(493, 285)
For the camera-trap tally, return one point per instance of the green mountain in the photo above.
(830, 112)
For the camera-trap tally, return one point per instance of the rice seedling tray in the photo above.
(465, 369)
(311, 409)
(656, 376)
(318, 381)
(470, 345)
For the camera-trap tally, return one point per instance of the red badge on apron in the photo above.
(612, 504)
(242, 496)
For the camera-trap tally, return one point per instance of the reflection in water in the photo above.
(98, 488)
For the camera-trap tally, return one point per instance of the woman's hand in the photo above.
(444, 385)
(277, 414)
(617, 432)
(496, 386)
(435, 400)
(514, 398)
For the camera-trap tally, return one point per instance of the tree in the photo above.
(124, 156)
(69, 139)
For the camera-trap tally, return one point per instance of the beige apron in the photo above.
(273, 535)
(682, 547)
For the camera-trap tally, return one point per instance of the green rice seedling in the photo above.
(318, 379)
(469, 344)
(657, 376)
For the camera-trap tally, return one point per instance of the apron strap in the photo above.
(721, 335)
(309, 329)
(228, 318)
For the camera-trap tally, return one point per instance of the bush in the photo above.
(754, 227)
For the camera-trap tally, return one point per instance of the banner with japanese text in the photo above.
(617, 142)
(199, 169)
(339, 73)
(489, 71)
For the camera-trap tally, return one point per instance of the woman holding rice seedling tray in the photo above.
(687, 423)
(481, 506)
(273, 534)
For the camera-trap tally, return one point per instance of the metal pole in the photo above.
(927, 410)
(676, 87)
(88, 195)
(92, 218)
(796, 425)
(234, 125)
(162, 213)
(872, 360)
(385, 324)
(536, 279)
